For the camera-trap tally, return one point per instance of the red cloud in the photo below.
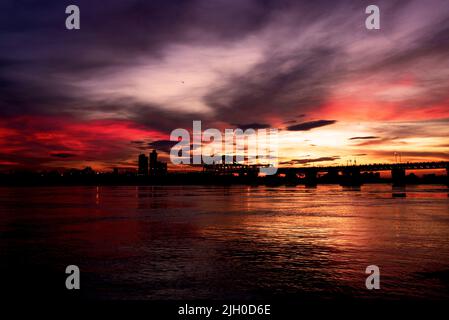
(31, 141)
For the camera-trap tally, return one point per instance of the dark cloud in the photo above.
(254, 126)
(364, 138)
(40, 60)
(311, 160)
(63, 155)
(304, 85)
(305, 126)
(162, 145)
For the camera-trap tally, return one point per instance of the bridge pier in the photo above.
(291, 178)
(447, 176)
(332, 176)
(311, 178)
(398, 176)
(351, 177)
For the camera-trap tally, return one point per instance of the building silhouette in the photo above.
(143, 165)
(156, 167)
(150, 165)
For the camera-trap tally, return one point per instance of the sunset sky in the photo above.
(136, 70)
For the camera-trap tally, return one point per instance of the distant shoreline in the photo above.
(196, 178)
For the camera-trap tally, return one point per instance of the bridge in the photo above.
(377, 166)
(345, 175)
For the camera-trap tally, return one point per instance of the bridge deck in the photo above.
(374, 167)
(229, 168)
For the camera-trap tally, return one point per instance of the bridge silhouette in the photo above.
(350, 175)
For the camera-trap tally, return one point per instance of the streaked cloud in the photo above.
(364, 138)
(135, 71)
(305, 126)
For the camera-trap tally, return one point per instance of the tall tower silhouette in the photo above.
(143, 165)
(153, 162)
(156, 167)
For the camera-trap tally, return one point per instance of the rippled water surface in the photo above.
(238, 242)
